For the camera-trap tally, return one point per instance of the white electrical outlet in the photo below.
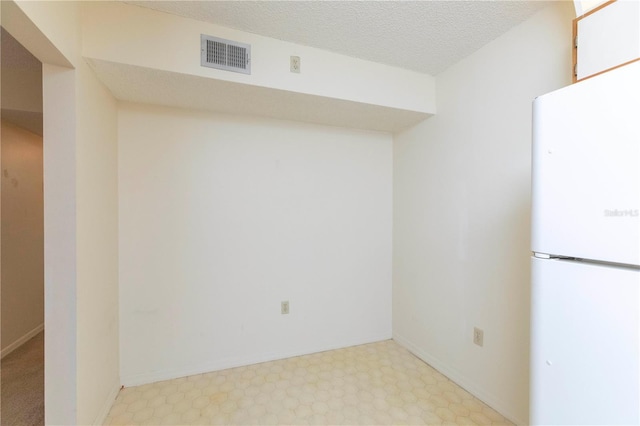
(478, 336)
(284, 307)
(295, 64)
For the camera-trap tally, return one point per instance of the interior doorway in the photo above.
(59, 117)
(22, 236)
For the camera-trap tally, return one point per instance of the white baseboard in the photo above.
(108, 403)
(223, 364)
(462, 381)
(21, 341)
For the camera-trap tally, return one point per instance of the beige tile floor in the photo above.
(375, 384)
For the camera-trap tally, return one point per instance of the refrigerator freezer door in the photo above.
(584, 344)
(586, 169)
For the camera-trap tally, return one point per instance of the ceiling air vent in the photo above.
(225, 54)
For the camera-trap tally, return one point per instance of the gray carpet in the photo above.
(22, 386)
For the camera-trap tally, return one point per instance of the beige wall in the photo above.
(461, 212)
(22, 236)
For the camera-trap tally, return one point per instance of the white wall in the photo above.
(223, 217)
(98, 365)
(461, 212)
(59, 124)
(22, 237)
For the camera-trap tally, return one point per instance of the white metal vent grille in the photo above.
(225, 54)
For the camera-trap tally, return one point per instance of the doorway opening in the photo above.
(22, 236)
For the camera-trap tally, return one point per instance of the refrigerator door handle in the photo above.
(541, 255)
(553, 256)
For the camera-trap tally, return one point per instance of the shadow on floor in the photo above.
(22, 384)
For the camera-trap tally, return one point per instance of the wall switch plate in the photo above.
(478, 336)
(284, 307)
(295, 64)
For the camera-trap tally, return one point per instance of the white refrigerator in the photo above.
(585, 285)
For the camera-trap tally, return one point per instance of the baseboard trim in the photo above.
(21, 341)
(106, 407)
(223, 364)
(458, 378)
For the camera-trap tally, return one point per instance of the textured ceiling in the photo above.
(424, 36)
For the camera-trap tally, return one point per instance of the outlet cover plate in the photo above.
(295, 64)
(478, 336)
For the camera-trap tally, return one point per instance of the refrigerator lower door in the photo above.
(584, 344)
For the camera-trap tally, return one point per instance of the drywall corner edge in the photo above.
(108, 403)
(461, 380)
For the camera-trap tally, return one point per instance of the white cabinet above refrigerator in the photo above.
(606, 37)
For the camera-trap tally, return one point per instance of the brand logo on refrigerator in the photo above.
(622, 213)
